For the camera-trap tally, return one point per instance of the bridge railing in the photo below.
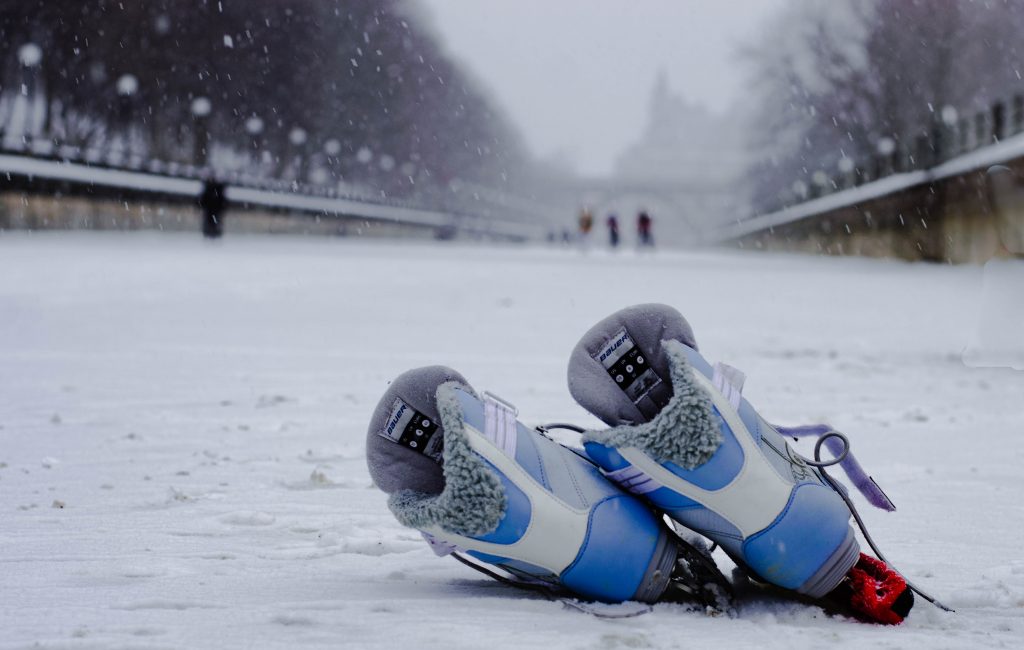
(946, 137)
(41, 165)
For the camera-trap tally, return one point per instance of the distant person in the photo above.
(643, 229)
(213, 204)
(586, 223)
(613, 231)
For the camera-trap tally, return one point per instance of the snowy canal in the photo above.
(182, 425)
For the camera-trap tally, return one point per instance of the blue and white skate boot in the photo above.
(685, 439)
(461, 469)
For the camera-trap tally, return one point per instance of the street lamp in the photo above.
(297, 137)
(800, 188)
(886, 147)
(127, 86)
(846, 167)
(201, 109)
(949, 115)
(254, 125)
(30, 55)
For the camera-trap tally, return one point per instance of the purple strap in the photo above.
(860, 479)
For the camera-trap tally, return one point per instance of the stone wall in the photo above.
(20, 211)
(949, 220)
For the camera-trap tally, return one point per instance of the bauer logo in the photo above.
(400, 412)
(615, 345)
(413, 430)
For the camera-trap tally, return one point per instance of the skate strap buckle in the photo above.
(500, 424)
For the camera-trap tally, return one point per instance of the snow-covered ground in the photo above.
(182, 424)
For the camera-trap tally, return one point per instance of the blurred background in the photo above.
(227, 225)
(599, 123)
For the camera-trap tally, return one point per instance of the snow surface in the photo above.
(998, 340)
(182, 423)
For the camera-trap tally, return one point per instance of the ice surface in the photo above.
(181, 435)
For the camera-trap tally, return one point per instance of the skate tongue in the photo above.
(405, 439)
(413, 430)
(619, 372)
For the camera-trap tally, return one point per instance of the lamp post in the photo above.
(297, 137)
(886, 147)
(821, 182)
(846, 168)
(949, 119)
(127, 88)
(254, 127)
(800, 189)
(201, 108)
(30, 56)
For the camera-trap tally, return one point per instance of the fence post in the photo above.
(905, 160)
(922, 151)
(965, 135)
(981, 132)
(998, 121)
(940, 141)
(1018, 113)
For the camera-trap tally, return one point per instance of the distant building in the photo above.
(683, 142)
(686, 169)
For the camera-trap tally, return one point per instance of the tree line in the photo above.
(353, 91)
(834, 82)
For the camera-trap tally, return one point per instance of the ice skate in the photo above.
(460, 468)
(683, 437)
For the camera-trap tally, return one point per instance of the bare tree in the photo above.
(849, 74)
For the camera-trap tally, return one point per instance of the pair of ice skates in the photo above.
(590, 524)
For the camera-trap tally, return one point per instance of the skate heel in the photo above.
(809, 547)
(832, 571)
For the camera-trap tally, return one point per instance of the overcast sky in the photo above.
(575, 75)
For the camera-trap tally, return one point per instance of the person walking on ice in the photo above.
(586, 224)
(643, 229)
(613, 231)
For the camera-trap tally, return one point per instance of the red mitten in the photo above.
(876, 592)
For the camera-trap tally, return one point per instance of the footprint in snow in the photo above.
(248, 518)
(289, 620)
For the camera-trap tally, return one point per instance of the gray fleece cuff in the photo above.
(473, 500)
(686, 431)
